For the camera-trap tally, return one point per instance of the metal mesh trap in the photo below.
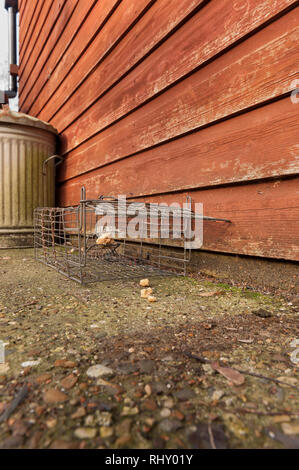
(108, 239)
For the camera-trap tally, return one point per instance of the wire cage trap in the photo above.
(109, 239)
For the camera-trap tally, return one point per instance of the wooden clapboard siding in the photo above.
(23, 18)
(22, 7)
(32, 45)
(190, 47)
(161, 19)
(108, 36)
(28, 21)
(232, 151)
(62, 37)
(263, 218)
(88, 30)
(57, 42)
(159, 98)
(212, 93)
(42, 40)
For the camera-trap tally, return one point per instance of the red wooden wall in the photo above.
(157, 99)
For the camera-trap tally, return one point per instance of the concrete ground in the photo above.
(148, 390)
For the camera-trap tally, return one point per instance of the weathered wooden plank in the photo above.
(233, 151)
(123, 19)
(81, 42)
(265, 217)
(162, 18)
(40, 37)
(27, 48)
(189, 48)
(56, 44)
(28, 21)
(63, 44)
(21, 6)
(252, 73)
(22, 9)
(26, 13)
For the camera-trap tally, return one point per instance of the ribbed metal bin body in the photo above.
(25, 144)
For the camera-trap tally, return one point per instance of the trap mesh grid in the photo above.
(66, 239)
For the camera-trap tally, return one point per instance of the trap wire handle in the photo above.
(107, 198)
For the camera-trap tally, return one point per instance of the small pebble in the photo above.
(85, 433)
(165, 413)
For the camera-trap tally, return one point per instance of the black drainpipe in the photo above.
(12, 8)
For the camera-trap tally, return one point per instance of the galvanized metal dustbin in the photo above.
(27, 175)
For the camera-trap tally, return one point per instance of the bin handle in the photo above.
(48, 160)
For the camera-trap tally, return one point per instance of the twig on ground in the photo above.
(21, 395)
(265, 413)
(212, 441)
(245, 372)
